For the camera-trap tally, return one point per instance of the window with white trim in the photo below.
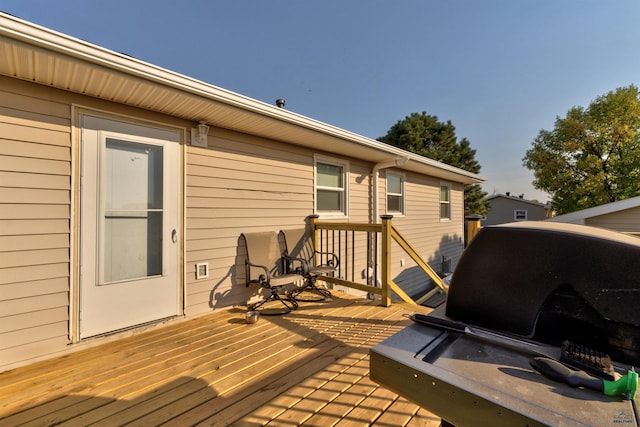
(445, 201)
(520, 215)
(331, 186)
(395, 193)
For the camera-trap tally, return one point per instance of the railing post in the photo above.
(386, 259)
(313, 220)
(473, 226)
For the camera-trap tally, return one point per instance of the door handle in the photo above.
(174, 236)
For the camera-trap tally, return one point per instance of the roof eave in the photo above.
(215, 105)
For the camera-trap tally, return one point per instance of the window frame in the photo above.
(448, 202)
(515, 214)
(344, 191)
(402, 194)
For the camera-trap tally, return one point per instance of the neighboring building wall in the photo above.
(35, 206)
(503, 208)
(625, 221)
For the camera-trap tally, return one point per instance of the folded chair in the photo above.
(299, 245)
(265, 266)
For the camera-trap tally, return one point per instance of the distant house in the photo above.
(622, 216)
(124, 188)
(507, 208)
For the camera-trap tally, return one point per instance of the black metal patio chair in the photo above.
(265, 266)
(299, 245)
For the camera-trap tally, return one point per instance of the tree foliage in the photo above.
(424, 134)
(592, 156)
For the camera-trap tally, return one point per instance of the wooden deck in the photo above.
(309, 368)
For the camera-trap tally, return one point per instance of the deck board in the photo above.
(309, 367)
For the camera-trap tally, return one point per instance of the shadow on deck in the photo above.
(306, 368)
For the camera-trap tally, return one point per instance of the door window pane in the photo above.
(133, 214)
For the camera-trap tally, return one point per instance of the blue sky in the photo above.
(500, 70)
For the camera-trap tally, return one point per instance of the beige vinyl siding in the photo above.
(353, 257)
(359, 192)
(242, 183)
(424, 230)
(238, 184)
(35, 197)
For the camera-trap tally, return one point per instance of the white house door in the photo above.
(129, 225)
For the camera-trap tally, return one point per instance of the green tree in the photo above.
(592, 156)
(424, 134)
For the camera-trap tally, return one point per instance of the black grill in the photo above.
(552, 282)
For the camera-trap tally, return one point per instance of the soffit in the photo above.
(33, 53)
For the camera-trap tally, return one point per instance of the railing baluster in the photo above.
(370, 260)
(347, 276)
(374, 257)
(353, 255)
(340, 247)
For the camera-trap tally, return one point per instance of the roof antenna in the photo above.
(280, 102)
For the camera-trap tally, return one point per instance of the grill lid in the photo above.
(552, 282)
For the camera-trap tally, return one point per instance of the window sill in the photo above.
(325, 215)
